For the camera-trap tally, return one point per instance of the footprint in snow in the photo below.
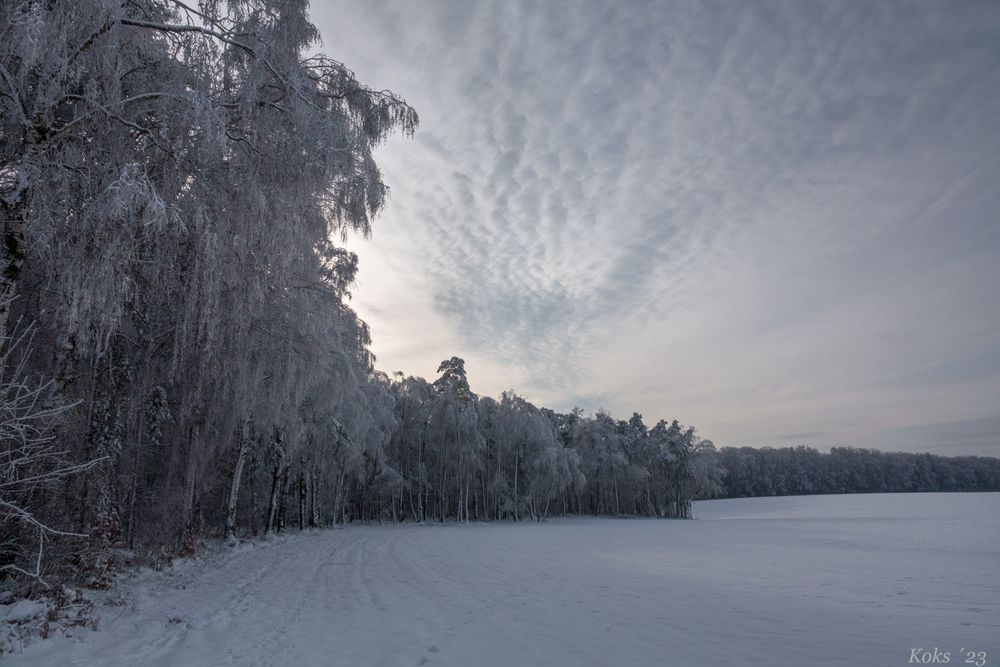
(423, 659)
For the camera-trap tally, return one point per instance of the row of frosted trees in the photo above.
(435, 451)
(454, 455)
(804, 470)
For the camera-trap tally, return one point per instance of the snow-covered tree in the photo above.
(172, 180)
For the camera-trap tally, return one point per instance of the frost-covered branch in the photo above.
(29, 464)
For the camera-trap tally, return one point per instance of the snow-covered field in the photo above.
(831, 580)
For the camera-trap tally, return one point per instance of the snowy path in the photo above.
(837, 580)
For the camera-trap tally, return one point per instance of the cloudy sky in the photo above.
(777, 221)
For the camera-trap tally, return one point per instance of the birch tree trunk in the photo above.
(338, 497)
(614, 480)
(272, 505)
(283, 498)
(302, 496)
(187, 512)
(234, 488)
(516, 496)
(253, 496)
(314, 486)
(466, 501)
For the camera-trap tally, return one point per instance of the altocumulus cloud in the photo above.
(761, 218)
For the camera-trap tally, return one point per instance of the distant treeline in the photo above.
(790, 471)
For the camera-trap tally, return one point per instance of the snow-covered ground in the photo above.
(819, 580)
